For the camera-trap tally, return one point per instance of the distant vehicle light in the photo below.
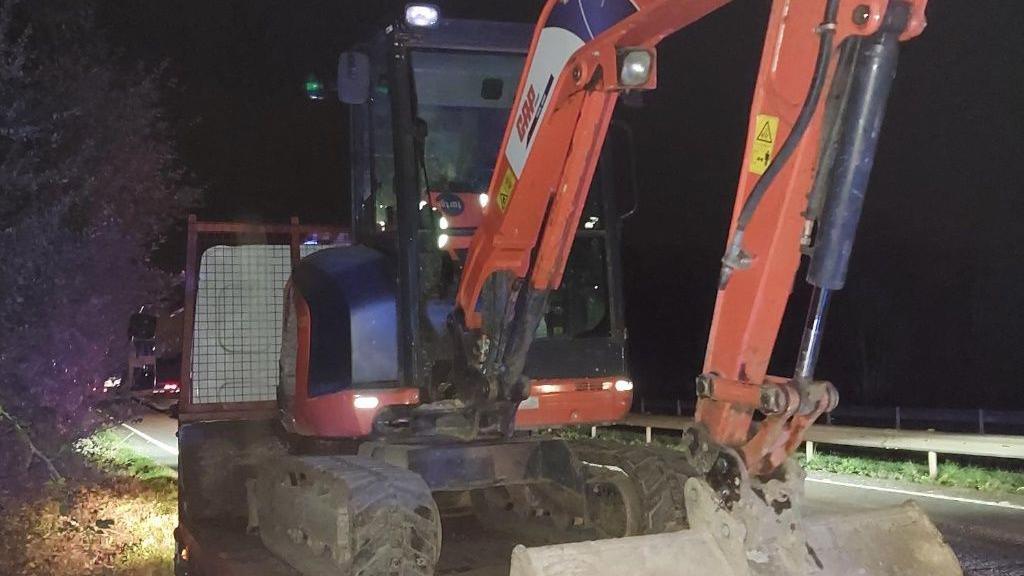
(623, 385)
(442, 241)
(442, 223)
(484, 199)
(366, 402)
(422, 15)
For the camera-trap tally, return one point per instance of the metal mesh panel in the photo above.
(238, 315)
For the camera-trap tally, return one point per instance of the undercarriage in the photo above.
(380, 512)
(580, 502)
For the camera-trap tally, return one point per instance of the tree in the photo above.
(88, 185)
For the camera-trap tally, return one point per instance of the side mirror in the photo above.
(353, 77)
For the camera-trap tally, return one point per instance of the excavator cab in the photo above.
(428, 107)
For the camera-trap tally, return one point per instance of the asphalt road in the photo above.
(155, 437)
(987, 533)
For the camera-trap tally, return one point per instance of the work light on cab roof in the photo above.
(422, 15)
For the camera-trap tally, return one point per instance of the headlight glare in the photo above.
(422, 15)
(635, 69)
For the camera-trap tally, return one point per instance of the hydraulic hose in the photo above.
(826, 32)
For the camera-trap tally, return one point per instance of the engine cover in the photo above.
(352, 325)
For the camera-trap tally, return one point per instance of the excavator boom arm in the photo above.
(583, 54)
(824, 76)
(562, 110)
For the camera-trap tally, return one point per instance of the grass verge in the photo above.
(115, 517)
(108, 451)
(951, 474)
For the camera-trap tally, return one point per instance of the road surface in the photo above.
(156, 437)
(987, 533)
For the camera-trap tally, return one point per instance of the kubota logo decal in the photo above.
(450, 204)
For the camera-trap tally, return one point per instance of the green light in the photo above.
(314, 88)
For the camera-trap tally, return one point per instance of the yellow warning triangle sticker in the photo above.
(762, 145)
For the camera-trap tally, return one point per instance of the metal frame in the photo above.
(407, 206)
(477, 36)
(449, 34)
(467, 35)
(291, 234)
(927, 441)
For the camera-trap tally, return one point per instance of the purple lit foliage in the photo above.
(87, 187)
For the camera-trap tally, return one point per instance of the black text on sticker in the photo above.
(526, 123)
(527, 112)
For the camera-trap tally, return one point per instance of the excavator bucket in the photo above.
(899, 540)
(888, 542)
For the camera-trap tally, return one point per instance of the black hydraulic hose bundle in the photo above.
(826, 30)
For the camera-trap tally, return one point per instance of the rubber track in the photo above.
(395, 525)
(658, 474)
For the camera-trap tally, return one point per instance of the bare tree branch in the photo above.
(36, 453)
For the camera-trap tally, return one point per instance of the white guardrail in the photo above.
(934, 443)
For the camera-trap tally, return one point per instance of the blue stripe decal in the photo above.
(588, 18)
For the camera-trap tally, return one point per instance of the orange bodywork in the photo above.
(560, 402)
(529, 224)
(334, 415)
(552, 402)
(462, 220)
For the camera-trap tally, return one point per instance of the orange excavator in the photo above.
(480, 300)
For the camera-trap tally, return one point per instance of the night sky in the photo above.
(933, 311)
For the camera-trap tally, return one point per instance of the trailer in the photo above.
(235, 278)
